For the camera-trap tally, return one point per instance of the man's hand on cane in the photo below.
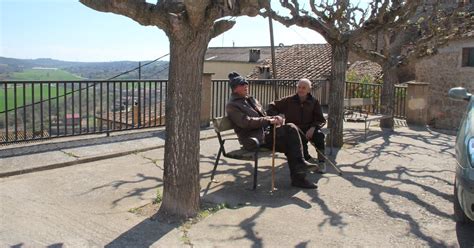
(276, 120)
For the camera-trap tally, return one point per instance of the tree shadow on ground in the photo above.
(135, 192)
(363, 173)
(236, 193)
(150, 230)
(144, 234)
(368, 176)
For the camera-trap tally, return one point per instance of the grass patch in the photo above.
(43, 74)
(210, 210)
(207, 209)
(24, 95)
(158, 198)
(34, 75)
(70, 154)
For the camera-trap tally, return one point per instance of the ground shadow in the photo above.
(234, 191)
(136, 192)
(149, 230)
(367, 176)
(365, 173)
(144, 234)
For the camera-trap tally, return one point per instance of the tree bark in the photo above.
(336, 94)
(387, 106)
(181, 160)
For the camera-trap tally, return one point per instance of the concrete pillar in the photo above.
(206, 99)
(417, 103)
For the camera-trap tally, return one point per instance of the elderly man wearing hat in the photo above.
(251, 121)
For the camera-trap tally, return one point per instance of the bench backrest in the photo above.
(358, 102)
(222, 124)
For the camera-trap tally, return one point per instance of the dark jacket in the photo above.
(303, 114)
(249, 121)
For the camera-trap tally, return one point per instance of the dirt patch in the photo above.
(147, 210)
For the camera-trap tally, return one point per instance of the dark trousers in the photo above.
(317, 139)
(288, 141)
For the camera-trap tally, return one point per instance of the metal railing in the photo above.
(33, 110)
(399, 110)
(262, 90)
(374, 91)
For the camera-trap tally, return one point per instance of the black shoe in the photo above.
(303, 183)
(307, 167)
(322, 167)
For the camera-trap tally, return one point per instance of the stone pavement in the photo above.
(56, 153)
(396, 191)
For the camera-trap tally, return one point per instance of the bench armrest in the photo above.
(257, 144)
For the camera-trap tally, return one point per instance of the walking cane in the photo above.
(273, 157)
(339, 172)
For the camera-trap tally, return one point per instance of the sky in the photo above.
(68, 30)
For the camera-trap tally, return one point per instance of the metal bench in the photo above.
(223, 124)
(360, 114)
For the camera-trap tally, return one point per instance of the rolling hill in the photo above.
(34, 69)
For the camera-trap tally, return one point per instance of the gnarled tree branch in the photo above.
(146, 14)
(196, 11)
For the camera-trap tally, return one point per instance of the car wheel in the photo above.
(459, 215)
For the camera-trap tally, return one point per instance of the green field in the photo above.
(33, 75)
(28, 94)
(43, 74)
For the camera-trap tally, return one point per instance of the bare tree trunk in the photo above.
(387, 106)
(181, 160)
(336, 94)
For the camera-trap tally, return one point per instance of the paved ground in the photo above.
(396, 191)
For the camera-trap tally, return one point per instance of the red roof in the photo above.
(312, 61)
(69, 116)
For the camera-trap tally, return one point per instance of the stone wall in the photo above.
(443, 71)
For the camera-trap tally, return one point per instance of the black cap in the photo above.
(235, 79)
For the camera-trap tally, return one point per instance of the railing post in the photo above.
(417, 103)
(206, 99)
(135, 114)
(275, 89)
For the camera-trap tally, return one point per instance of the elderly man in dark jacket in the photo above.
(305, 112)
(251, 121)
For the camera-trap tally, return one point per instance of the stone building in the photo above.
(453, 66)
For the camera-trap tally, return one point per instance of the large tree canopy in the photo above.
(341, 23)
(431, 26)
(189, 25)
(169, 15)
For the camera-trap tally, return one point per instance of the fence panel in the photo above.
(263, 90)
(400, 101)
(34, 110)
(364, 90)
